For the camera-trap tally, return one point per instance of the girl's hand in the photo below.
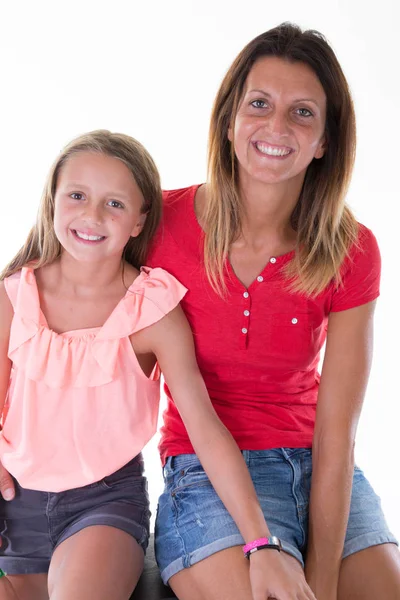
(7, 488)
(273, 575)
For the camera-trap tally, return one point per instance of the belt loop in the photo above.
(168, 466)
(285, 453)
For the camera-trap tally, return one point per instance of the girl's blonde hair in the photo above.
(42, 246)
(325, 226)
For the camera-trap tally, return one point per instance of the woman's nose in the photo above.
(277, 122)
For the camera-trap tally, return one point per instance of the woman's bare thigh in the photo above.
(370, 574)
(222, 576)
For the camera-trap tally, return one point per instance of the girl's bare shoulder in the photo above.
(130, 274)
(47, 277)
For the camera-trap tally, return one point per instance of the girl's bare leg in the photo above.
(24, 587)
(98, 562)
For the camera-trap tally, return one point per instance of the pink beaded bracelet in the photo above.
(273, 543)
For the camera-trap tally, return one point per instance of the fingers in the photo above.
(308, 594)
(7, 488)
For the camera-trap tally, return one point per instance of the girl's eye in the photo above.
(115, 204)
(76, 196)
(304, 112)
(259, 104)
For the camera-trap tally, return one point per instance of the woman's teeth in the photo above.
(271, 151)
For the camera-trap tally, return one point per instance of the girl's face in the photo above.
(97, 207)
(279, 126)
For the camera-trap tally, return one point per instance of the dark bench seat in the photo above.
(150, 586)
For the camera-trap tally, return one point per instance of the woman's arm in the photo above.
(344, 379)
(6, 316)
(171, 341)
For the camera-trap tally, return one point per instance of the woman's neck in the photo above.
(267, 209)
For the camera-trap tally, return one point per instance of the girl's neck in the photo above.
(88, 277)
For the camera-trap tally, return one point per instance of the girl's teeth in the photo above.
(272, 151)
(91, 238)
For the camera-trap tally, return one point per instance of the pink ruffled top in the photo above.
(79, 406)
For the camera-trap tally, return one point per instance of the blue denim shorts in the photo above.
(192, 523)
(35, 523)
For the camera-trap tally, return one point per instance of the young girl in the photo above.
(83, 334)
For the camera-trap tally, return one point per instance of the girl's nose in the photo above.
(93, 213)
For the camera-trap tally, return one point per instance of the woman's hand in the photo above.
(276, 575)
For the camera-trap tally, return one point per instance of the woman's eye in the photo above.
(259, 104)
(115, 204)
(76, 196)
(304, 112)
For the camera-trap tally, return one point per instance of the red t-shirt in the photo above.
(258, 348)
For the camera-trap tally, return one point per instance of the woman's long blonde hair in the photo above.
(325, 226)
(42, 246)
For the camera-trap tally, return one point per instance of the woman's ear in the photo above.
(321, 148)
(230, 133)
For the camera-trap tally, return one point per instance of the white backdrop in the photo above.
(151, 69)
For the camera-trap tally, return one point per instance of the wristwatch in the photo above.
(273, 543)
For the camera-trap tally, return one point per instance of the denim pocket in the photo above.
(129, 474)
(193, 475)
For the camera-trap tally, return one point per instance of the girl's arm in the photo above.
(6, 316)
(344, 379)
(171, 341)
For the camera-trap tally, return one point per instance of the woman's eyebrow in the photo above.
(258, 92)
(264, 93)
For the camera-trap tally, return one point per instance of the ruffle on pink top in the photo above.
(86, 357)
(79, 406)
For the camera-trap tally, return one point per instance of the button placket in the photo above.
(245, 318)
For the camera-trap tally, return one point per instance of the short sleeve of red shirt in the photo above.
(361, 273)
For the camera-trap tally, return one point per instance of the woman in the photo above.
(276, 264)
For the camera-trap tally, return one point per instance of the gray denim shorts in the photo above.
(35, 523)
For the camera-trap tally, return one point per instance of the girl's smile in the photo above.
(87, 237)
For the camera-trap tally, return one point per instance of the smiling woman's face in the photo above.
(280, 123)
